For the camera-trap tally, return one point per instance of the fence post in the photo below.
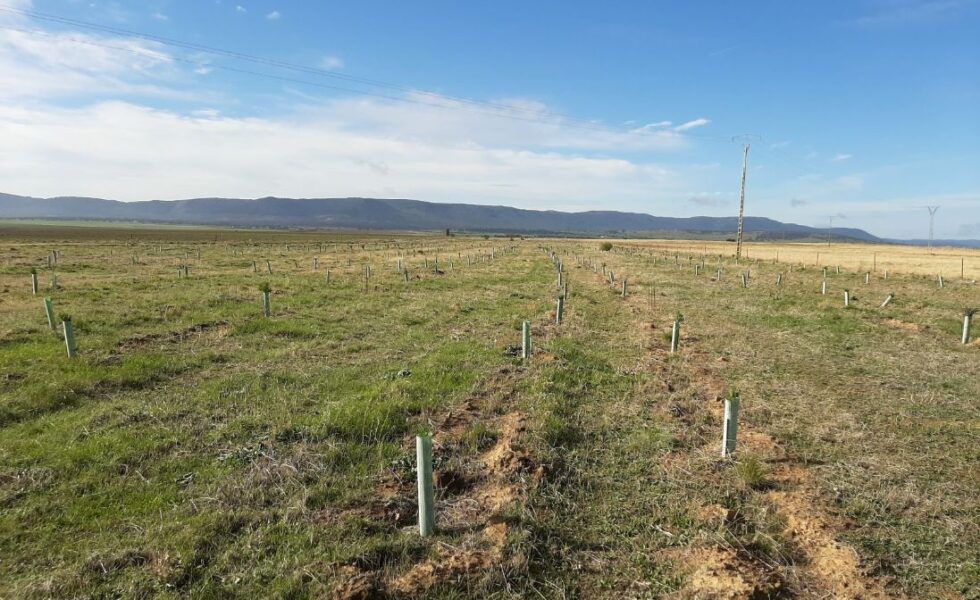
(560, 310)
(526, 340)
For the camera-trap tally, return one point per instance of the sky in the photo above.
(857, 112)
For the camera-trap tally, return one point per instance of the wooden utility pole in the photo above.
(741, 204)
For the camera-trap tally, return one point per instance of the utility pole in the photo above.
(741, 204)
(932, 217)
(829, 232)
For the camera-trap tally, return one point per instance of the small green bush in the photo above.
(605, 246)
(751, 472)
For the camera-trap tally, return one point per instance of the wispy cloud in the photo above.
(692, 124)
(970, 230)
(240, 8)
(841, 157)
(724, 51)
(323, 151)
(274, 15)
(798, 202)
(912, 12)
(332, 63)
(712, 199)
(48, 65)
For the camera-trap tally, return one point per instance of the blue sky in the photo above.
(861, 110)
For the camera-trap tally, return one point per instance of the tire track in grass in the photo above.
(829, 567)
(475, 498)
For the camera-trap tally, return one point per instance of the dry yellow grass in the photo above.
(945, 261)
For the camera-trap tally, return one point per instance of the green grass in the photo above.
(196, 448)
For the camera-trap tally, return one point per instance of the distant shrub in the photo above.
(605, 246)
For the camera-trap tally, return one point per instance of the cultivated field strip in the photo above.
(196, 447)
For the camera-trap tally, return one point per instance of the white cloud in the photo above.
(692, 124)
(710, 199)
(240, 8)
(103, 150)
(274, 15)
(159, 16)
(332, 63)
(841, 157)
(45, 65)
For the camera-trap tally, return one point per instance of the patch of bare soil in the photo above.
(724, 574)
(479, 509)
(903, 325)
(172, 337)
(355, 585)
(472, 499)
(829, 566)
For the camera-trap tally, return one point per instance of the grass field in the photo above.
(196, 448)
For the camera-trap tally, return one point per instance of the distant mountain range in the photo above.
(409, 215)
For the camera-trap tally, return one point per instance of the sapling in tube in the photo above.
(675, 333)
(967, 319)
(69, 331)
(266, 290)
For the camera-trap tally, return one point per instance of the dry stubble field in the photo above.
(197, 448)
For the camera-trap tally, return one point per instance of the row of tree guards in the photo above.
(426, 494)
(183, 271)
(968, 313)
(423, 442)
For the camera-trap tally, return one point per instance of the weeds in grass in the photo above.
(751, 472)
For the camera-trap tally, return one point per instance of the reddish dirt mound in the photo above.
(914, 327)
(722, 573)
